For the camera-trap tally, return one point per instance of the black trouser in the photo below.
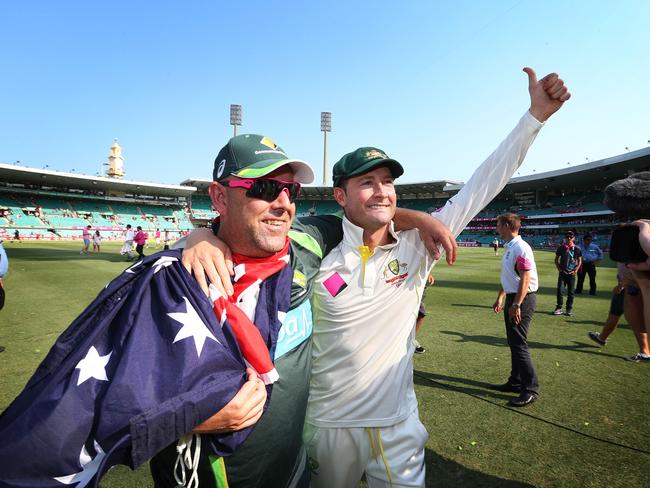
(140, 250)
(569, 280)
(2, 297)
(587, 269)
(523, 371)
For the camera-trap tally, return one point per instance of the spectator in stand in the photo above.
(140, 240)
(568, 259)
(85, 235)
(97, 241)
(591, 255)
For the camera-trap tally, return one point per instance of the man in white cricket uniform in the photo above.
(362, 411)
(519, 284)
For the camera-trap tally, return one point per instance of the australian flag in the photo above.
(143, 365)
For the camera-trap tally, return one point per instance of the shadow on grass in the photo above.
(445, 473)
(461, 385)
(49, 254)
(583, 347)
(542, 312)
(491, 287)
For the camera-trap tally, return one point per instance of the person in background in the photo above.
(157, 237)
(97, 241)
(591, 255)
(519, 284)
(85, 235)
(127, 248)
(4, 267)
(628, 197)
(629, 301)
(140, 240)
(568, 259)
(422, 312)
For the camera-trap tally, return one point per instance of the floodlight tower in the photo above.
(325, 127)
(235, 117)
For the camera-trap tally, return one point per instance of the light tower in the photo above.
(325, 127)
(235, 117)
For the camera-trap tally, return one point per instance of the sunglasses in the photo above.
(267, 189)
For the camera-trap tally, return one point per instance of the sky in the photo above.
(435, 84)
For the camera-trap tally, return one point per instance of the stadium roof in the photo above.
(10, 173)
(595, 173)
(412, 190)
(592, 174)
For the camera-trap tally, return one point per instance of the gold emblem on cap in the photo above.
(268, 143)
(374, 154)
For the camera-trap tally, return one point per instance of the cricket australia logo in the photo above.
(395, 273)
(393, 266)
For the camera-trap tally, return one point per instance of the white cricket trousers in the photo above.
(390, 456)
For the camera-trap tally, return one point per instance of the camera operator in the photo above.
(630, 197)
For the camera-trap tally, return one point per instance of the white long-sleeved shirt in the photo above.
(364, 314)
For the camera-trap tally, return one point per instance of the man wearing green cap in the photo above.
(254, 189)
(362, 413)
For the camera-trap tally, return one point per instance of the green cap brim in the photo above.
(302, 172)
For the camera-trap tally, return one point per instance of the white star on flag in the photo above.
(163, 262)
(193, 327)
(130, 270)
(89, 467)
(93, 366)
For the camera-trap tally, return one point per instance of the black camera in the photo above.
(625, 246)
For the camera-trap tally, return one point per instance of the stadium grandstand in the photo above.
(45, 204)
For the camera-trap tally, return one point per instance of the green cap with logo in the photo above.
(255, 156)
(361, 161)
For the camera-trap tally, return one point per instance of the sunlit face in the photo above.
(251, 226)
(503, 230)
(369, 200)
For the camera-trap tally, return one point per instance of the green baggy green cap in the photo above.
(362, 161)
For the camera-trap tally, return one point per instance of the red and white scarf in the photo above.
(237, 308)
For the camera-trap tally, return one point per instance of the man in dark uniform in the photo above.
(568, 259)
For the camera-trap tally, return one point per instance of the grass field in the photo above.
(592, 404)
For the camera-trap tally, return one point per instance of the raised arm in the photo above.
(434, 234)
(546, 97)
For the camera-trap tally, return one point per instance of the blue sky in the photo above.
(435, 84)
